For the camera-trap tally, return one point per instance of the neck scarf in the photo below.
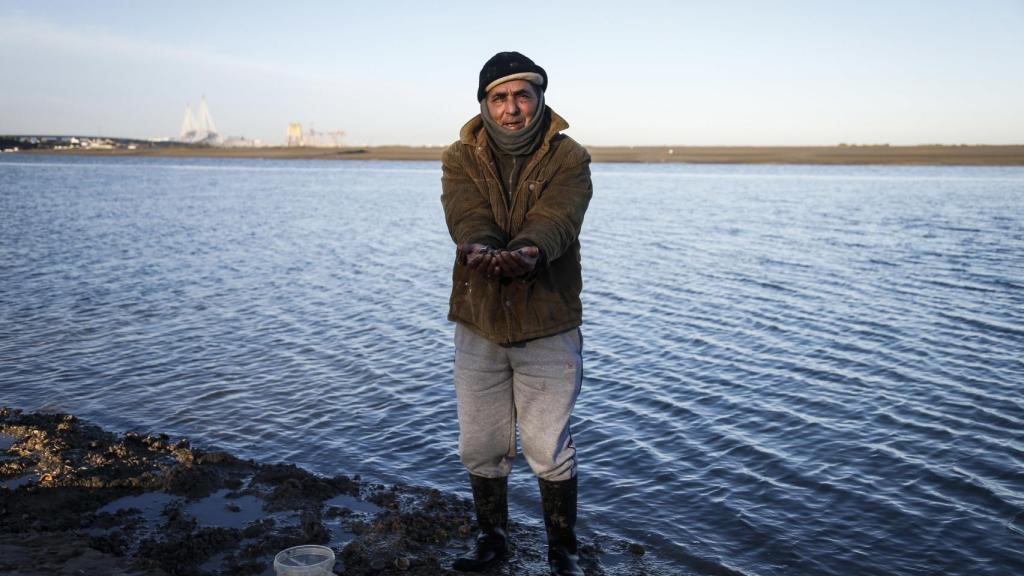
(516, 142)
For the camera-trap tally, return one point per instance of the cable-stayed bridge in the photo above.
(199, 130)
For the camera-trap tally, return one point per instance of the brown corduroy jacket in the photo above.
(545, 210)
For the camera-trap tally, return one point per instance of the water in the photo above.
(789, 370)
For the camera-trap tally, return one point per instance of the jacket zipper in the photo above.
(512, 195)
(508, 228)
(510, 173)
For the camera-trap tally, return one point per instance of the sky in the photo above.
(636, 72)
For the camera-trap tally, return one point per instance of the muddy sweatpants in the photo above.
(534, 384)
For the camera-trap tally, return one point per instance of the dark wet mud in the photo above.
(75, 499)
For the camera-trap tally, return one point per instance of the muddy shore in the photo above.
(76, 499)
(936, 155)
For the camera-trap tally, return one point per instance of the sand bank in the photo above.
(75, 499)
(886, 155)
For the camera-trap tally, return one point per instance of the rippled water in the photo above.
(789, 370)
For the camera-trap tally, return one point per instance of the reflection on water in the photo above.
(790, 369)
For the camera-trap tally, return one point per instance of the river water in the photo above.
(789, 369)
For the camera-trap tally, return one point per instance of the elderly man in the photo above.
(514, 191)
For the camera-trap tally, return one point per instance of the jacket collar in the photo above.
(474, 134)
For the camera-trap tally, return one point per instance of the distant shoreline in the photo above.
(935, 155)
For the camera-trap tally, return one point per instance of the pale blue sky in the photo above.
(631, 73)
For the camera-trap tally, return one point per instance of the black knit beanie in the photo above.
(506, 66)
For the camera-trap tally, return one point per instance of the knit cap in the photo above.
(507, 66)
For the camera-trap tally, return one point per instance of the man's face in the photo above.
(512, 104)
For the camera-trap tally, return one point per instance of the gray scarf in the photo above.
(516, 142)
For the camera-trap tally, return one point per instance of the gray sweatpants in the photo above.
(534, 383)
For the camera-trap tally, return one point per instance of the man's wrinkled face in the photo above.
(513, 104)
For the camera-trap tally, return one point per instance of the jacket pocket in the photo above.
(534, 190)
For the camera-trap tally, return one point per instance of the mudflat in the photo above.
(973, 155)
(76, 499)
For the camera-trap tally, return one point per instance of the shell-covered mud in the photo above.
(75, 499)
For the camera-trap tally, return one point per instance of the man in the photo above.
(514, 191)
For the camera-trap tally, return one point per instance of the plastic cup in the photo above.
(308, 560)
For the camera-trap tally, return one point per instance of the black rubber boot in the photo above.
(559, 501)
(490, 495)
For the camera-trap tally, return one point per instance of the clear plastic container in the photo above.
(308, 560)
